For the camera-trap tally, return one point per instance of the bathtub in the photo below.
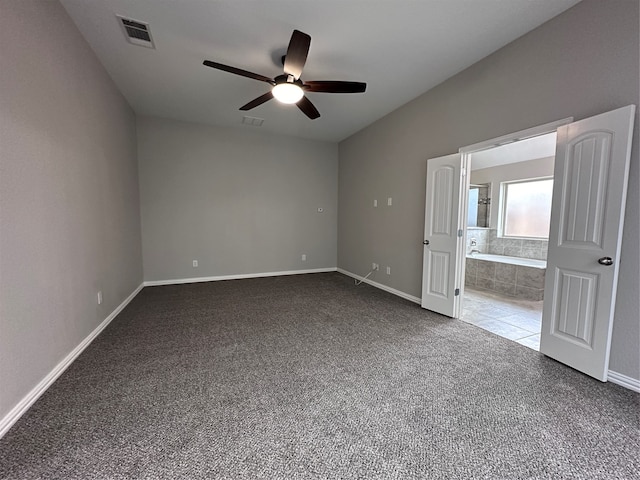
(525, 262)
(512, 276)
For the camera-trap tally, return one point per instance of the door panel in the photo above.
(590, 184)
(575, 318)
(586, 170)
(441, 200)
(441, 240)
(439, 282)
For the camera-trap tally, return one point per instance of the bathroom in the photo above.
(507, 233)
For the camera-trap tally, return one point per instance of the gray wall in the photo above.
(238, 201)
(69, 208)
(581, 63)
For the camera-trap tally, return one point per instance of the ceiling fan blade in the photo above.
(308, 108)
(258, 101)
(328, 86)
(297, 53)
(238, 71)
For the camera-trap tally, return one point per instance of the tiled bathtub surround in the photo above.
(481, 237)
(515, 247)
(513, 280)
(487, 241)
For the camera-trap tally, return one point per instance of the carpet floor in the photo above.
(311, 377)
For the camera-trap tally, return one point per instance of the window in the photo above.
(526, 208)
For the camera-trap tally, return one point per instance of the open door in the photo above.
(440, 285)
(590, 187)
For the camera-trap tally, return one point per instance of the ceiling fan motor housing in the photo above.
(288, 79)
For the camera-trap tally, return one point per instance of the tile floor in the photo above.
(511, 318)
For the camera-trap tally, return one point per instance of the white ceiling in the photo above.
(401, 48)
(542, 146)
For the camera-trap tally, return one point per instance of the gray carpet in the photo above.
(310, 377)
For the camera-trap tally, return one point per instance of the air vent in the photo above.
(136, 32)
(253, 121)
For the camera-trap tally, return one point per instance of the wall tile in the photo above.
(512, 242)
(512, 251)
(482, 214)
(506, 273)
(481, 236)
(539, 255)
(544, 250)
(512, 247)
(530, 251)
(532, 244)
(471, 266)
(505, 288)
(496, 248)
(529, 293)
(485, 283)
(530, 277)
(470, 236)
(486, 269)
(511, 280)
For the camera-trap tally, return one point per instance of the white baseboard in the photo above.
(404, 295)
(16, 412)
(177, 281)
(623, 381)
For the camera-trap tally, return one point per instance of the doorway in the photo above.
(507, 231)
(588, 202)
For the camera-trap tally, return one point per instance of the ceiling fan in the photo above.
(289, 87)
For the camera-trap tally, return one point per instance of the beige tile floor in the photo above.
(515, 319)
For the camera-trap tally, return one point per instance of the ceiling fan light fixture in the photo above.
(288, 87)
(287, 92)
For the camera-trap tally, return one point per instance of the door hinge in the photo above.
(460, 233)
(456, 292)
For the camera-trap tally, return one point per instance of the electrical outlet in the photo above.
(388, 270)
(389, 201)
(375, 203)
(304, 257)
(195, 264)
(99, 298)
(375, 266)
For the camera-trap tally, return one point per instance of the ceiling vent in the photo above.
(253, 121)
(136, 32)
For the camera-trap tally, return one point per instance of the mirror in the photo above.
(479, 205)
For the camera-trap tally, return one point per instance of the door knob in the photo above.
(426, 242)
(605, 261)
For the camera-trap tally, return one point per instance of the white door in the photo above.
(590, 186)
(441, 241)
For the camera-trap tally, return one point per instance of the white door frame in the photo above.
(466, 152)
